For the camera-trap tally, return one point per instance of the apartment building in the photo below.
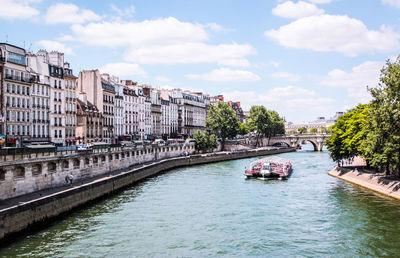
(15, 95)
(70, 105)
(40, 99)
(102, 95)
(89, 126)
(55, 62)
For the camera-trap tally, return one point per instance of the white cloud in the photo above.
(224, 75)
(335, 33)
(321, 1)
(123, 69)
(149, 32)
(286, 76)
(17, 9)
(394, 3)
(69, 13)
(217, 28)
(296, 10)
(162, 41)
(290, 91)
(291, 102)
(126, 12)
(50, 45)
(357, 80)
(186, 53)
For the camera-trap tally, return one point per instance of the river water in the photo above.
(211, 210)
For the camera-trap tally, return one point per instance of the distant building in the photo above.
(319, 123)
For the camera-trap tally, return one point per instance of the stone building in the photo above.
(89, 127)
(165, 125)
(102, 95)
(130, 112)
(55, 62)
(173, 114)
(40, 99)
(119, 115)
(155, 112)
(192, 111)
(15, 95)
(70, 105)
(239, 111)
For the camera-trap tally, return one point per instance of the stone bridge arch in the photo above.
(317, 140)
(315, 146)
(279, 144)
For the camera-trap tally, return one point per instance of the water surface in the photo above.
(212, 210)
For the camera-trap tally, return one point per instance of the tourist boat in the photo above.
(269, 168)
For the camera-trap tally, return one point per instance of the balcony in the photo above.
(17, 78)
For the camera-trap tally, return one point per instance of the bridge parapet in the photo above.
(317, 140)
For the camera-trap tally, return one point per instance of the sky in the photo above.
(304, 59)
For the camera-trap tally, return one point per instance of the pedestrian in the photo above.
(71, 179)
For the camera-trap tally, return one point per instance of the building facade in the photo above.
(89, 127)
(15, 99)
(40, 99)
(70, 105)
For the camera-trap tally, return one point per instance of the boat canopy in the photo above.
(272, 159)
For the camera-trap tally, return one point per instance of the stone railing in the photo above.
(30, 174)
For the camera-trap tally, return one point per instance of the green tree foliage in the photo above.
(222, 119)
(260, 121)
(324, 130)
(265, 122)
(382, 142)
(243, 128)
(348, 134)
(313, 130)
(278, 124)
(205, 141)
(302, 130)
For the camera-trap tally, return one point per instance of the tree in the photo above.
(243, 128)
(205, 141)
(222, 119)
(314, 130)
(302, 130)
(324, 130)
(348, 134)
(260, 121)
(278, 123)
(382, 143)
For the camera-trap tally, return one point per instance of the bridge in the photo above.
(317, 140)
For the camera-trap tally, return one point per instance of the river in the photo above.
(212, 210)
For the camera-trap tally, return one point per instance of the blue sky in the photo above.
(302, 58)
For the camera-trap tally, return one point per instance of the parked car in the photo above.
(159, 142)
(139, 144)
(81, 147)
(172, 142)
(127, 144)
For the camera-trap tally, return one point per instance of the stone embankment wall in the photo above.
(20, 217)
(373, 181)
(19, 177)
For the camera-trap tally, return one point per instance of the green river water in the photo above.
(211, 210)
